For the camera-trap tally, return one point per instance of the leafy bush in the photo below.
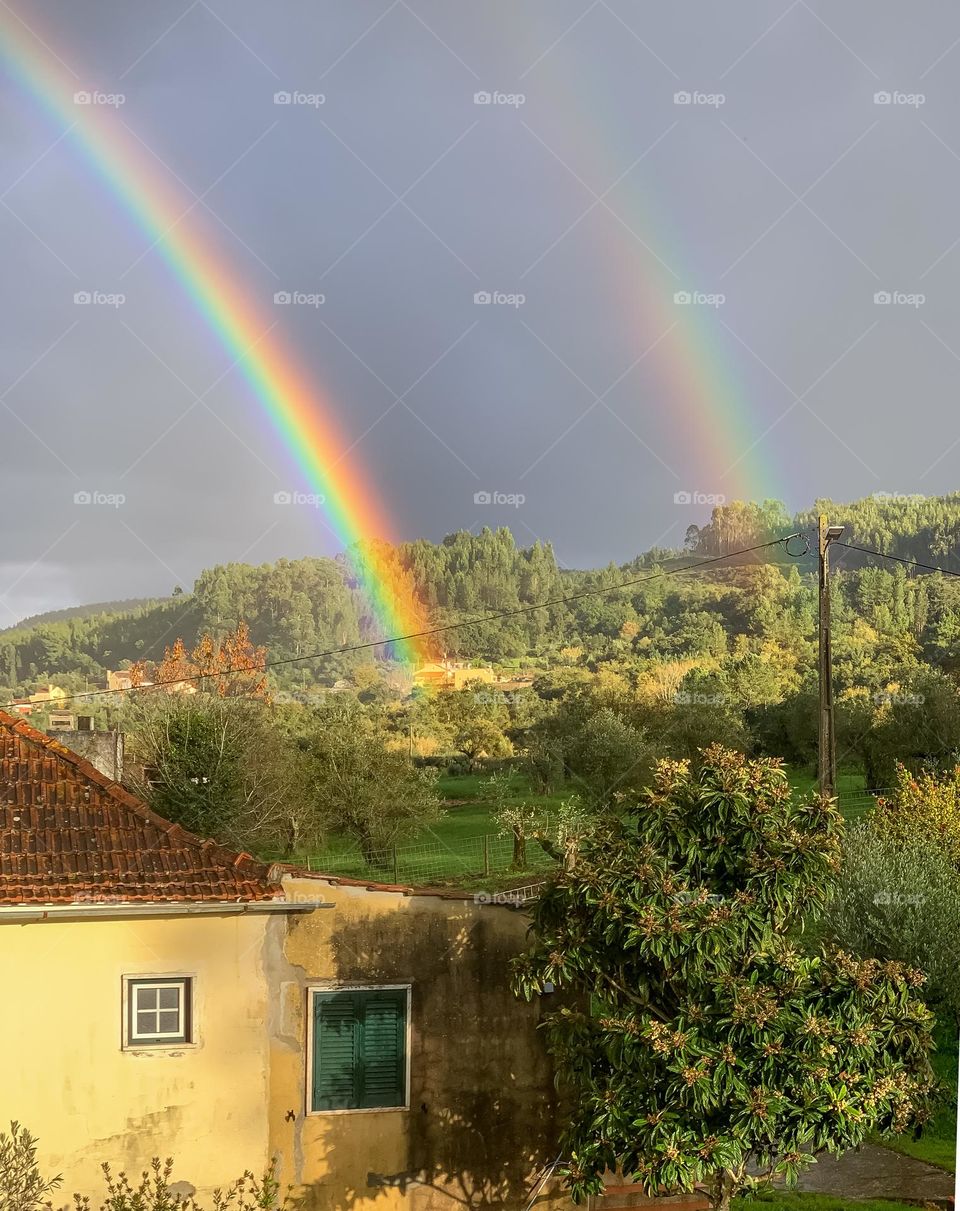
(925, 804)
(898, 898)
(22, 1186)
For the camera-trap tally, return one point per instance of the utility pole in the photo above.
(827, 745)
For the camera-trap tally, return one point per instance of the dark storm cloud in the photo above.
(814, 185)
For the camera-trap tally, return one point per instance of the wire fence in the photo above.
(473, 858)
(435, 861)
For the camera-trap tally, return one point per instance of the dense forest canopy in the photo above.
(747, 627)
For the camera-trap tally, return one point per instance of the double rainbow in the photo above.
(303, 415)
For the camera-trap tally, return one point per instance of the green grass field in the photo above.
(788, 1200)
(450, 850)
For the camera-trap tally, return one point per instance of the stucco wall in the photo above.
(64, 1075)
(481, 1115)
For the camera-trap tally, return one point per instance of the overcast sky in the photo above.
(779, 164)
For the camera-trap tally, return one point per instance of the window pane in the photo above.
(169, 1021)
(170, 997)
(146, 1023)
(146, 998)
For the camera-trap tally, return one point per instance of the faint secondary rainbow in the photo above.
(303, 417)
(694, 355)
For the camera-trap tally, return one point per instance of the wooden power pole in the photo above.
(827, 746)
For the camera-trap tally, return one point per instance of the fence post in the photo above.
(486, 856)
(396, 866)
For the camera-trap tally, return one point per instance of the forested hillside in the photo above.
(749, 625)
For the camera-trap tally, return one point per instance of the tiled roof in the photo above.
(68, 835)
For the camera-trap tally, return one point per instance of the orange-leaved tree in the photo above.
(232, 667)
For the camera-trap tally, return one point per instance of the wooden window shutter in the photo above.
(359, 1049)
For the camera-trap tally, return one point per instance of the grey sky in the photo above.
(797, 197)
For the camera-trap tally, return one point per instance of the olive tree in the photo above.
(700, 1045)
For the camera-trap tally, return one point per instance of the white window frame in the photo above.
(185, 981)
(318, 988)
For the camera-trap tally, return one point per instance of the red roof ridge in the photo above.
(212, 851)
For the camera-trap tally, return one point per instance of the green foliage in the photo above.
(359, 785)
(711, 1039)
(898, 898)
(925, 804)
(220, 768)
(22, 1186)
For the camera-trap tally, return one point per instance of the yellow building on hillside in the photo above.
(172, 998)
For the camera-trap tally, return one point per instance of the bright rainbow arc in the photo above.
(302, 417)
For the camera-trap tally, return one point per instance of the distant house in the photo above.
(121, 680)
(451, 676)
(26, 706)
(167, 996)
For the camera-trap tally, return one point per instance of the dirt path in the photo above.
(876, 1172)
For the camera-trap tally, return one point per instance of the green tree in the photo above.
(218, 767)
(360, 786)
(702, 1046)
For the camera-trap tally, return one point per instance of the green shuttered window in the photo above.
(359, 1049)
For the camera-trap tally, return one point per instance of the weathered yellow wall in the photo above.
(481, 1116)
(64, 1075)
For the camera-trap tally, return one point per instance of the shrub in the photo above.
(22, 1186)
(898, 898)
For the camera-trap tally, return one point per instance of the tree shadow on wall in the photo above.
(483, 1116)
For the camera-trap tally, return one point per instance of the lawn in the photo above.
(451, 850)
(787, 1200)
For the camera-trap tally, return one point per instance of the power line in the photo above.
(912, 563)
(438, 630)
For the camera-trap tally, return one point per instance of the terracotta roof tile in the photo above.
(68, 834)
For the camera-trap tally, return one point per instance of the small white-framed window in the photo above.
(158, 1011)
